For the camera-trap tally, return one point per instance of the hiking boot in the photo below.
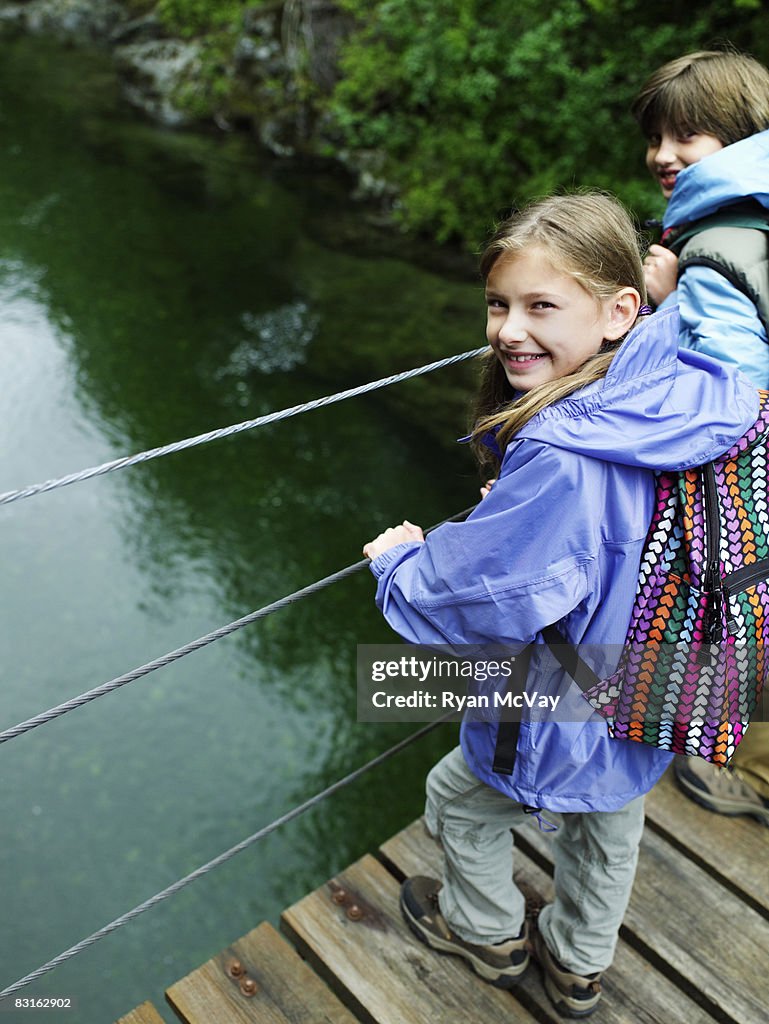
(572, 995)
(723, 790)
(501, 964)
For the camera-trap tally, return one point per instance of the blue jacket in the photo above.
(716, 318)
(559, 539)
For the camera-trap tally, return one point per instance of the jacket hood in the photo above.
(735, 172)
(658, 407)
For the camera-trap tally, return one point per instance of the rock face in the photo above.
(258, 79)
(81, 20)
(151, 70)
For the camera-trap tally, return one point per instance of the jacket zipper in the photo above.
(738, 581)
(713, 582)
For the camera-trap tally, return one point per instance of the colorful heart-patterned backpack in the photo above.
(696, 654)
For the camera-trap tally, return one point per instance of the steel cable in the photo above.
(203, 641)
(194, 645)
(215, 435)
(177, 886)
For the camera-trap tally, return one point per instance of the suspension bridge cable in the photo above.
(194, 645)
(214, 435)
(180, 652)
(176, 887)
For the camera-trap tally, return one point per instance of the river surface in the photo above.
(155, 285)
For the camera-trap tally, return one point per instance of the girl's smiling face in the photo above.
(541, 323)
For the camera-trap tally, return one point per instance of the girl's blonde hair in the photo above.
(589, 236)
(723, 93)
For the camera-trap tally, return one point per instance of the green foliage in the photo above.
(478, 104)
(458, 109)
(215, 25)
(194, 17)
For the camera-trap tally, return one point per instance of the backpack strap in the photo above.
(746, 214)
(741, 256)
(507, 731)
(506, 748)
(567, 657)
(734, 242)
(570, 661)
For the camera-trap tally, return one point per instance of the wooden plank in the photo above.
(144, 1014)
(287, 990)
(376, 964)
(736, 848)
(634, 992)
(696, 930)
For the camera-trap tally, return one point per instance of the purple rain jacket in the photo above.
(559, 539)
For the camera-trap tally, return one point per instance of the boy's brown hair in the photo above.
(714, 92)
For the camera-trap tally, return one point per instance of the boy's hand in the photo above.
(392, 536)
(660, 273)
(486, 489)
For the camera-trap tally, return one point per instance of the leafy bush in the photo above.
(476, 104)
(195, 17)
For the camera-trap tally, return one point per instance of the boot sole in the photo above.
(729, 808)
(500, 979)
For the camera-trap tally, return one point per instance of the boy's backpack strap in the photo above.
(735, 243)
(740, 255)
(746, 214)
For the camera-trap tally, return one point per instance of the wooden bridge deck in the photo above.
(694, 947)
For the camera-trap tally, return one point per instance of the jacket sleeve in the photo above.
(523, 559)
(717, 319)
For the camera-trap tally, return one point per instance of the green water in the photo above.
(155, 285)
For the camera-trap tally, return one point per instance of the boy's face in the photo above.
(668, 152)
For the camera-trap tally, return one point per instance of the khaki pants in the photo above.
(595, 860)
(752, 758)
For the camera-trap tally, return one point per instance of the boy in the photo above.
(706, 118)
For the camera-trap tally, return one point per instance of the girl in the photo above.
(577, 407)
(706, 120)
